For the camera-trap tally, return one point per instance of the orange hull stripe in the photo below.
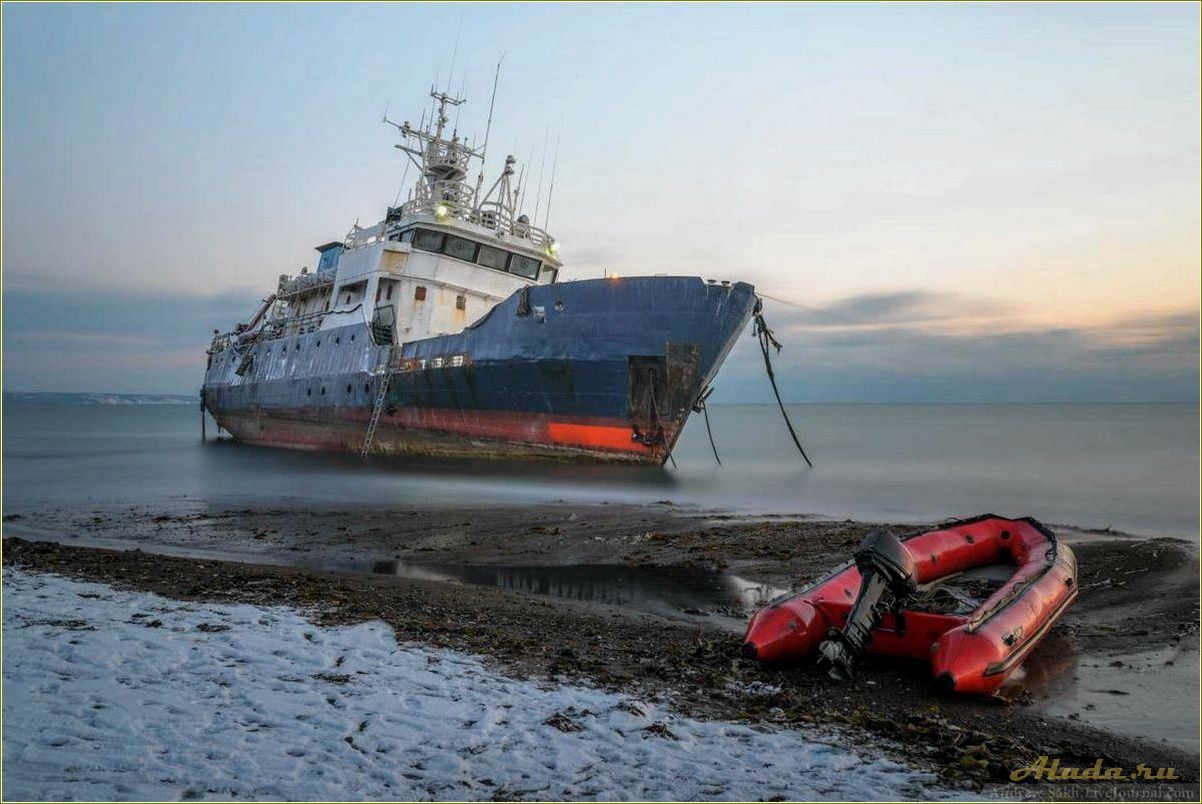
(596, 436)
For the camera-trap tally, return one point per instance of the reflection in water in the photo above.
(677, 593)
(672, 592)
(1053, 661)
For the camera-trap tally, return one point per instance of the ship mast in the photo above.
(443, 163)
(443, 188)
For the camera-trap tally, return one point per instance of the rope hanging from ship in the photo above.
(702, 408)
(767, 342)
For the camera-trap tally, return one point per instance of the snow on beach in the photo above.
(113, 694)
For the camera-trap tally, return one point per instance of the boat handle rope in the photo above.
(767, 339)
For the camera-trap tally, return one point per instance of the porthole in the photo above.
(309, 392)
(323, 391)
(348, 389)
(318, 344)
(367, 388)
(352, 339)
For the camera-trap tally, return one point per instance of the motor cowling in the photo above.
(887, 578)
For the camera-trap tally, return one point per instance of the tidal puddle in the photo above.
(1151, 694)
(676, 593)
(671, 592)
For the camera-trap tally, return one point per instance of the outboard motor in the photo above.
(887, 578)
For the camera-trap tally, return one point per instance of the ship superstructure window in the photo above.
(419, 293)
(460, 249)
(524, 266)
(470, 251)
(491, 257)
(428, 240)
(461, 302)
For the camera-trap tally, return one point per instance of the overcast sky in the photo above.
(968, 203)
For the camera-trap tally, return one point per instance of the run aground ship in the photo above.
(444, 330)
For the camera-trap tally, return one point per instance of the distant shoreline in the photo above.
(91, 399)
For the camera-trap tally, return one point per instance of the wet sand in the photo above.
(1089, 691)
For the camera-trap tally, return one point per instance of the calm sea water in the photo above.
(1129, 467)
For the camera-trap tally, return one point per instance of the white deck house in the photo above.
(433, 265)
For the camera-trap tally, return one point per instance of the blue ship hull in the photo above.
(601, 369)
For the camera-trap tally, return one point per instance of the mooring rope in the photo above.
(706, 412)
(767, 339)
(701, 407)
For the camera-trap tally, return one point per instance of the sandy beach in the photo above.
(484, 582)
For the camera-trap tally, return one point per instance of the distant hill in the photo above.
(52, 398)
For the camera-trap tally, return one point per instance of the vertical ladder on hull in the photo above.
(383, 374)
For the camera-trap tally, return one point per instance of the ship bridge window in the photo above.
(470, 251)
(428, 240)
(524, 266)
(491, 257)
(460, 249)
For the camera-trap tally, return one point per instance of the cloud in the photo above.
(113, 341)
(876, 312)
(919, 346)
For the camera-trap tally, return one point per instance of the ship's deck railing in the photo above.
(490, 215)
(360, 236)
(303, 284)
(447, 155)
(278, 328)
(220, 343)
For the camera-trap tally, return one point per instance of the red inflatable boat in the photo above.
(971, 650)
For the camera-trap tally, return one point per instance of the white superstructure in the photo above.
(434, 264)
